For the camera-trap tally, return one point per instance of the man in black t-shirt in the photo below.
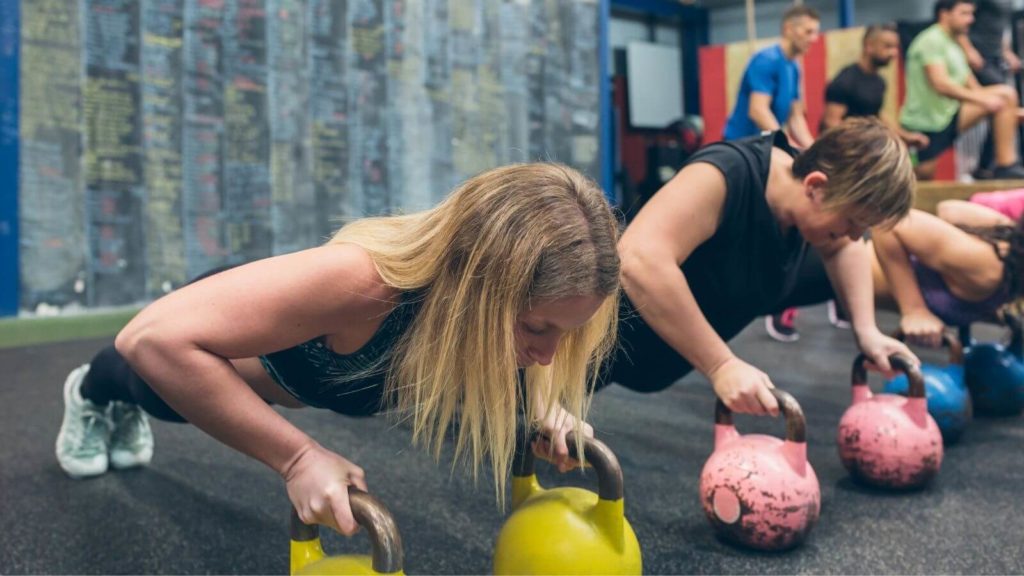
(859, 89)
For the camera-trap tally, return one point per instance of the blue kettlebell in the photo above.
(949, 402)
(995, 372)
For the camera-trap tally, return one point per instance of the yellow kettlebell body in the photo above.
(308, 559)
(568, 530)
(307, 554)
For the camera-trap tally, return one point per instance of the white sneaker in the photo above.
(84, 433)
(836, 316)
(131, 443)
(782, 326)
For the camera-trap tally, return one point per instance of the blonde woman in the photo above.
(428, 316)
(746, 228)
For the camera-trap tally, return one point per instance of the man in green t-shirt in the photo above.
(944, 98)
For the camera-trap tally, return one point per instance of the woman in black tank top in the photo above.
(737, 234)
(498, 303)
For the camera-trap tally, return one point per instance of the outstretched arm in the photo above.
(181, 346)
(848, 264)
(680, 217)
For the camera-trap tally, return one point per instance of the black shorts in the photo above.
(939, 142)
(992, 74)
(643, 362)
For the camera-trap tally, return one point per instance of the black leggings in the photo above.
(643, 361)
(111, 378)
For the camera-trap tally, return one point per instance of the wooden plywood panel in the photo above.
(929, 194)
(842, 48)
(891, 105)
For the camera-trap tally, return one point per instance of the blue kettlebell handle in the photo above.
(956, 348)
(1016, 345)
(1013, 322)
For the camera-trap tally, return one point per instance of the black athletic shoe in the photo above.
(1014, 172)
(782, 326)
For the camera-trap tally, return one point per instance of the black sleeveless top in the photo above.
(322, 378)
(748, 266)
(744, 270)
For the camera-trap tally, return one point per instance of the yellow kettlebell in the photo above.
(567, 530)
(307, 556)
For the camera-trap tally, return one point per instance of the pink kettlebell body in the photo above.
(758, 490)
(888, 440)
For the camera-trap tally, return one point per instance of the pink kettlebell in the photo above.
(757, 490)
(888, 440)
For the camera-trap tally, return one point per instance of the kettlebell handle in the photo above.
(796, 424)
(1013, 321)
(596, 454)
(859, 375)
(956, 347)
(371, 514)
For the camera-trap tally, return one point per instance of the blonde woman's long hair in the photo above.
(868, 168)
(504, 238)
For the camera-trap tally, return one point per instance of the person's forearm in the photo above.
(849, 269)
(660, 293)
(801, 132)
(207, 391)
(764, 119)
(964, 213)
(950, 89)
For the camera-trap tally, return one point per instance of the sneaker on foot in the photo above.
(837, 316)
(782, 326)
(1012, 172)
(983, 174)
(131, 443)
(84, 433)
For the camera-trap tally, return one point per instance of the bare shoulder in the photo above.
(274, 303)
(695, 192)
(685, 210)
(342, 276)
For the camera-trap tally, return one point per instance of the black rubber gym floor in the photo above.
(202, 508)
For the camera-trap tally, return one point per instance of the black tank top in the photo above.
(322, 378)
(745, 270)
(748, 266)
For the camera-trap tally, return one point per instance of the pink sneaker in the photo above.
(782, 326)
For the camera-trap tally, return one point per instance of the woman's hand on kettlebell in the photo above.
(743, 388)
(922, 328)
(317, 482)
(550, 444)
(878, 347)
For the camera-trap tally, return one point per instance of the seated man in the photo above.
(944, 98)
(859, 89)
(990, 54)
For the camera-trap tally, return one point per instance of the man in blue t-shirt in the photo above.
(769, 97)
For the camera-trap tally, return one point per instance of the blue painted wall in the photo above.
(9, 53)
